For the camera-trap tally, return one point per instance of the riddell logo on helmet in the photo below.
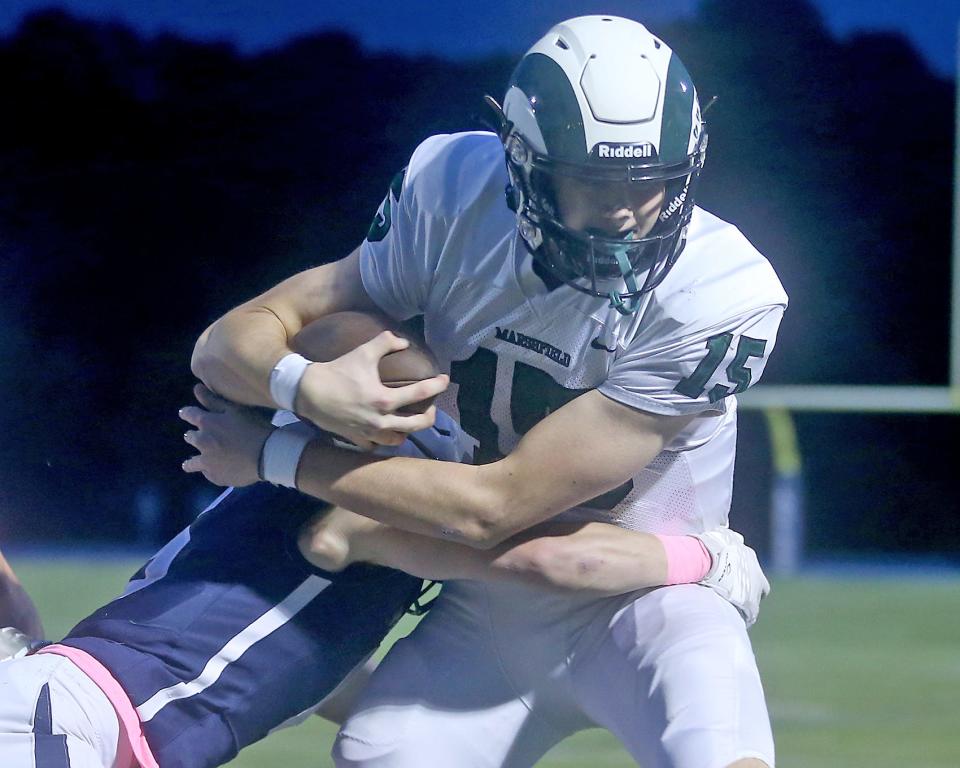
(674, 206)
(619, 151)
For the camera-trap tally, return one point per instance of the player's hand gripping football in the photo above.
(347, 397)
(229, 438)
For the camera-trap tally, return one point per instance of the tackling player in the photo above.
(596, 328)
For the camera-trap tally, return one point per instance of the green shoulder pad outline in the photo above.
(380, 225)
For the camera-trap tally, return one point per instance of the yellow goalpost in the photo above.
(779, 402)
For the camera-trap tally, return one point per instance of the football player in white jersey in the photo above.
(597, 328)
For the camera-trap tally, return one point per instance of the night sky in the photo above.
(471, 29)
(136, 157)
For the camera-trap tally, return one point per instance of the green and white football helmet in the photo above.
(602, 101)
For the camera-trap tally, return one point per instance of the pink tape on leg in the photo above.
(688, 560)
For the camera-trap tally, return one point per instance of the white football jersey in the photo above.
(445, 246)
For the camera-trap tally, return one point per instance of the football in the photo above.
(332, 336)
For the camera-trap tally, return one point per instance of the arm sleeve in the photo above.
(695, 372)
(399, 254)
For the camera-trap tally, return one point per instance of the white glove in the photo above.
(13, 643)
(735, 574)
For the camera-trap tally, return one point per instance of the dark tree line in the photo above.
(149, 184)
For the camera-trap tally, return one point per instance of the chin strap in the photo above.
(632, 304)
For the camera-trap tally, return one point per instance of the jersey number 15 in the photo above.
(533, 395)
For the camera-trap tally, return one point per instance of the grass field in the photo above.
(859, 673)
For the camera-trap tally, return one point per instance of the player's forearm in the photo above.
(480, 506)
(597, 558)
(485, 505)
(443, 500)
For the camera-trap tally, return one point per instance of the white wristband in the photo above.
(282, 452)
(285, 379)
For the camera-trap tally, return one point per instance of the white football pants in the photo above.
(496, 675)
(53, 716)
